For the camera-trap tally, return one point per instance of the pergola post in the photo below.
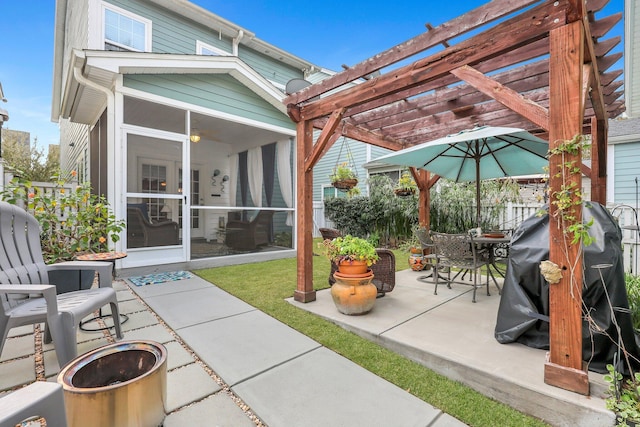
(599, 160)
(564, 366)
(304, 196)
(421, 177)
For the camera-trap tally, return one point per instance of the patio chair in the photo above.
(248, 235)
(428, 252)
(142, 232)
(384, 270)
(41, 399)
(459, 251)
(23, 275)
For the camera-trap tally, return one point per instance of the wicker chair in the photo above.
(459, 250)
(384, 271)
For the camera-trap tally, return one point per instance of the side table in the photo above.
(102, 256)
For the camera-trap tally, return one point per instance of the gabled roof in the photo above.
(84, 103)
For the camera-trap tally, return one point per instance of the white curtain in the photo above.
(285, 178)
(254, 168)
(232, 184)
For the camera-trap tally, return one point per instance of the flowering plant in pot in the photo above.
(72, 220)
(406, 185)
(343, 177)
(349, 250)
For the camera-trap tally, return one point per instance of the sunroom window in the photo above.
(126, 31)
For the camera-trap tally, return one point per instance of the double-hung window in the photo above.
(124, 30)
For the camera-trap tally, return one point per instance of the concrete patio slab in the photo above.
(188, 384)
(191, 307)
(455, 337)
(343, 394)
(169, 287)
(178, 356)
(217, 410)
(155, 332)
(245, 345)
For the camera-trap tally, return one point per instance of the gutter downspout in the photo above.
(111, 133)
(236, 42)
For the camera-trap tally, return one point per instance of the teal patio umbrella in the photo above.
(477, 154)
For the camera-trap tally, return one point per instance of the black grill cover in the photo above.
(524, 306)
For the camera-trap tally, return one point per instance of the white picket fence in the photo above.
(514, 214)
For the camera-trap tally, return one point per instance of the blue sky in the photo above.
(329, 34)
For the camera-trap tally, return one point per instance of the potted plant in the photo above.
(352, 292)
(343, 177)
(623, 397)
(73, 222)
(352, 255)
(406, 185)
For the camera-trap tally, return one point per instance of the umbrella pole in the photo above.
(477, 184)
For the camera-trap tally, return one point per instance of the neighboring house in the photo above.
(623, 184)
(146, 89)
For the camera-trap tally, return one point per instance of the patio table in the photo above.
(110, 256)
(489, 242)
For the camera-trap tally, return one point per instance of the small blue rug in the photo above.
(152, 279)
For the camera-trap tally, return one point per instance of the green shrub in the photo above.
(633, 295)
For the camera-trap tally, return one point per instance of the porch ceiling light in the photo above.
(195, 138)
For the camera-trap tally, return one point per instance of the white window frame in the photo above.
(200, 46)
(115, 9)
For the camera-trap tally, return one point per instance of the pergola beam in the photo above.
(540, 20)
(456, 27)
(507, 97)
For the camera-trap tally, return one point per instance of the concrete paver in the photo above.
(188, 384)
(321, 388)
(232, 365)
(217, 410)
(245, 345)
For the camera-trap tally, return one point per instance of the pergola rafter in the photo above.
(537, 65)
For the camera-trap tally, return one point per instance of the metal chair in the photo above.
(23, 275)
(428, 252)
(384, 270)
(459, 251)
(41, 399)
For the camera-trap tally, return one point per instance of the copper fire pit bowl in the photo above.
(122, 384)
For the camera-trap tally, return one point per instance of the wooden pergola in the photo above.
(537, 65)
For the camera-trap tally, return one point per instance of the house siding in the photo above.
(626, 160)
(74, 139)
(175, 34)
(338, 153)
(73, 136)
(217, 92)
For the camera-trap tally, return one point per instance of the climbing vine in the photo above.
(569, 197)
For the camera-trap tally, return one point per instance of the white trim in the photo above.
(202, 45)
(148, 30)
(151, 63)
(622, 139)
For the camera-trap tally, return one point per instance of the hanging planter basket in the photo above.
(345, 184)
(402, 192)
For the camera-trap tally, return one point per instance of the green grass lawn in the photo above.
(266, 285)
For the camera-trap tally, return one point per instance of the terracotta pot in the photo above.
(352, 267)
(354, 295)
